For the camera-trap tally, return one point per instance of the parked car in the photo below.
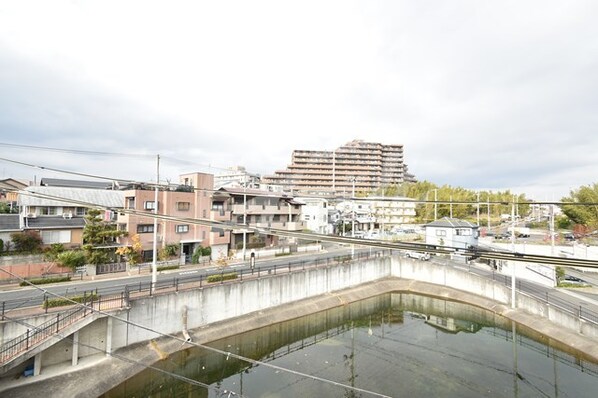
(418, 255)
(569, 236)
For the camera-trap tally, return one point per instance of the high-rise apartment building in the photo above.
(356, 166)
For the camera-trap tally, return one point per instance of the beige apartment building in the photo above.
(356, 166)
(192, 199)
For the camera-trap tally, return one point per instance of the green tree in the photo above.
(584, 207)
(5, 208)
(71, 259)
(97, 235)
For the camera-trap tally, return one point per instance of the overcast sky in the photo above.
(482, 94)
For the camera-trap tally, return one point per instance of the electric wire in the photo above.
(203, 346)
(76, 151)
(438, 249)
(381, 199)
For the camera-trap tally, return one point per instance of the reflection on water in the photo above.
(397, 345)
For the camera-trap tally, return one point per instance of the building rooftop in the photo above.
(87, 197)
(451, 223)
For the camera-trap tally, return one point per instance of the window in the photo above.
(183, 206)
(145, 228)
(130, 202)
(218, 231)
(81, 211)
(463, 232)
(47, 211)
(49, 237)
(149, 205)
(440, 232)
(204, 213)
(181, 229)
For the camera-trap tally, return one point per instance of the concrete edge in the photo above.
(108, 372)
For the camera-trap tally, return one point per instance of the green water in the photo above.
(394, 345)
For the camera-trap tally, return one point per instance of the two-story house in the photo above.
(452, 232)
(57, 212)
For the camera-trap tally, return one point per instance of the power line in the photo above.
(77, 151)
(438, 249)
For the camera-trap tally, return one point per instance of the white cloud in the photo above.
(498, 94)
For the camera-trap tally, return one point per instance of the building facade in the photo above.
(356, 166)
(452, 232)
(258, 209)
(314, 213)
(187, 202)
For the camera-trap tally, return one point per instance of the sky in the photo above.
(482, 94)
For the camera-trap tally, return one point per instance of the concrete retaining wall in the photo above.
(221, 302)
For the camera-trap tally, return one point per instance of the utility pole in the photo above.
(244, 218)
(478, 208)
(155, 244)
(353, 218)
(435, 204)
(513, 283)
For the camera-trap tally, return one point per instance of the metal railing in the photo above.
(36, 335)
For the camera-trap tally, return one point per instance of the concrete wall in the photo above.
(222, 302)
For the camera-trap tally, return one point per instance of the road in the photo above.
(30, 297)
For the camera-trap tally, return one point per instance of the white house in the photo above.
(314, 213)
(452, 232)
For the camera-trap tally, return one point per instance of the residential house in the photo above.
(57, 213)
(259, 209)
(452, 232)
(314, 213)
(189, 202)
(9, 188)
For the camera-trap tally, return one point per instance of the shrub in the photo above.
(199, 252)
(71, 259)
(43, 281)
(167, 267)
(222, 277)
(28, 241)
(60, 302)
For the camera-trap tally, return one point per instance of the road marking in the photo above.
(188, 272)
(462, 268)
(237, 266)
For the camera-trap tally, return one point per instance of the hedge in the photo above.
(168, 267)
(222, 277)
(59, 302)
(42, 281)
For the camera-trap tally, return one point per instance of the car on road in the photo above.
(418, 255)
(575, 280)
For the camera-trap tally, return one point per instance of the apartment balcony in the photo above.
(220, 215)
